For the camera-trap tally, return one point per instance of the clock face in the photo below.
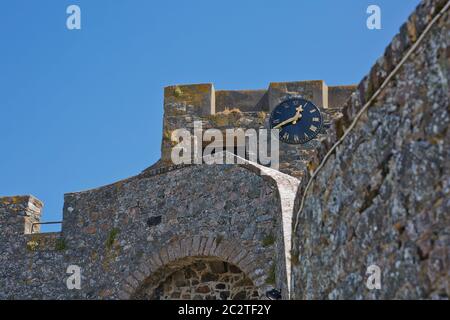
(298, 120)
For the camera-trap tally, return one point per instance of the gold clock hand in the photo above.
(298, 114)
(284, 122)
(292, 119)
(295, 121)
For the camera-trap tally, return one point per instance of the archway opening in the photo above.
(199, 278)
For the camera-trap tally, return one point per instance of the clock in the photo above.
(298, 120)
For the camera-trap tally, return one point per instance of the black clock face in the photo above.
(298, 120)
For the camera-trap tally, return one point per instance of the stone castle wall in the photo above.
(226, 231)
(247, 109)
(137, 232)
(383, 196)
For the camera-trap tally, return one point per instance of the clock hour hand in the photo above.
(299, 111)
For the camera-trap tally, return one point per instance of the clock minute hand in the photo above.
(286, 122)
(292, 119)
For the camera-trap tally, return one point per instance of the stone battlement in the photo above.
(237, 231)
(19, 213)
(207, 101)
(246, 109)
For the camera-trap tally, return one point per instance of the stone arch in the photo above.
(259, 261)
(241, 212)
(198, 278)
(226, 250)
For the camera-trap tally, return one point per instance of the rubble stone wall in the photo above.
(205, 279)
(140, 230)
(383, 198)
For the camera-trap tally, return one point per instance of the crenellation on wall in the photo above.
(246, 109)
(199, 96)
(244, 100)
(183, 105)
(19, 214)
(339, 95)
(313, 90)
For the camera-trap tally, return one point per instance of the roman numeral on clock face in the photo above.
(296, 139)
(313, 128)
(276, 121)
(315, 119)
(286, 136)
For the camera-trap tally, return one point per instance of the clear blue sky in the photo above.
(81, 109)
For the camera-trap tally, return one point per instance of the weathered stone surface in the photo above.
(154, 221)
(200, 279)
(244, 100)
(248, 109)
(225, 231)
(383, 197)
(123, 252)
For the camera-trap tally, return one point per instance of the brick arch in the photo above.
(227, 250)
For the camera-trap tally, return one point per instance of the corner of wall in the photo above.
(339, 95)
(18, 215)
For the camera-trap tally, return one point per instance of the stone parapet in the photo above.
(18, 214)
